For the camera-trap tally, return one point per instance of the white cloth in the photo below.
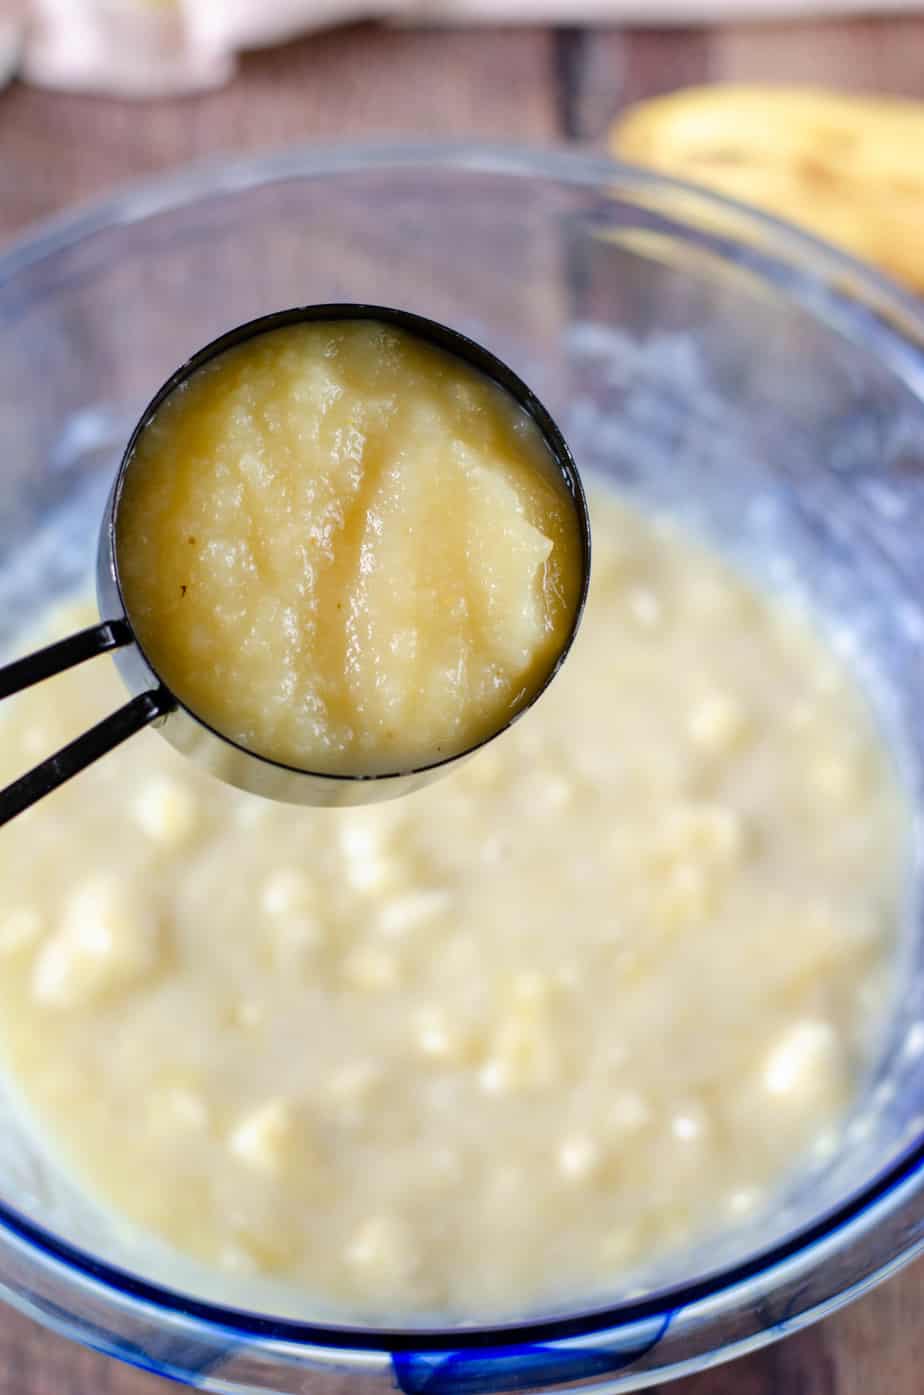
(160, 47)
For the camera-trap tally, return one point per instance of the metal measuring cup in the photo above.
(153, 704)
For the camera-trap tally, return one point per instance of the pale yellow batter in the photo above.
(499, 1043)
(348, 550)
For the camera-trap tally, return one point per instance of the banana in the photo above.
(850, 169)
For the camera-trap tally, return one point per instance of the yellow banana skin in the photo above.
(848, 168)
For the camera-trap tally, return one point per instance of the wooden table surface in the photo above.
(517, 85)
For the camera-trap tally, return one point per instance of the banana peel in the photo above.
(850, 169)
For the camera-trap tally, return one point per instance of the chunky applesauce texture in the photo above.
(348, 550)
(502, 1044)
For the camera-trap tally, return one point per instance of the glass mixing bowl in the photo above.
(706, 359)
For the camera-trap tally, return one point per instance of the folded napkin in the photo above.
(159, 47)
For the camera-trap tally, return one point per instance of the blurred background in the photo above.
(100, 91)
(94, 93)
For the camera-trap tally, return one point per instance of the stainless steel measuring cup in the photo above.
(152, 703)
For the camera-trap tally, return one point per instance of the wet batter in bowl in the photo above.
(497, 1044)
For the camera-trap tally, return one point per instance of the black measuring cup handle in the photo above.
(63, 654)
(90, 745)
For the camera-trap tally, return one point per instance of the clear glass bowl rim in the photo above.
(902, 317)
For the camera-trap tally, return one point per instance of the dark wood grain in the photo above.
(621, 66)
(513, 85)
(860, 55)
(873, 1347)
(33, 1362)
(56, 149)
